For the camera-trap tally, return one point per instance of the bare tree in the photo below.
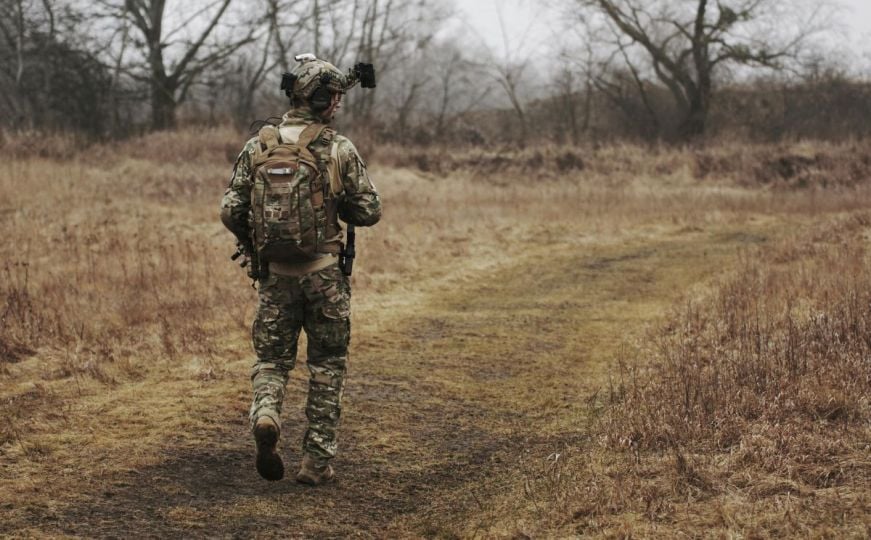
(448, 68)
(685, 46)
(27, 29)
(246, 76)
(510, 75)
(510, 70)
(458, 88)
(44, 66)
(574, 83)
(567, 100)
(286, 22)
(412, 90)
(392, 34)
(171, 78)
(619, 79)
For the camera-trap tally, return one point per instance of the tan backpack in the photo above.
(294, 200)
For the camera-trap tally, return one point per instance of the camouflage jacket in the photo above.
(359, 204)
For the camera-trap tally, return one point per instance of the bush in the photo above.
(775, 367)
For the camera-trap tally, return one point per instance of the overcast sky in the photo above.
(530, 25)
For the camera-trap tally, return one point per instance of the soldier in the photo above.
(319, 177)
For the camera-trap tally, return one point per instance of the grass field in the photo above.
(615, 341)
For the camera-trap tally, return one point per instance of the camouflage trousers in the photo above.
(319, 303)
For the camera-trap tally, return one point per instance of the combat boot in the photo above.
(314, 472)
(269, 463)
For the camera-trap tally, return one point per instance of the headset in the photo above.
(321, 97)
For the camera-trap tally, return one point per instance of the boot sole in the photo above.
(268, 462)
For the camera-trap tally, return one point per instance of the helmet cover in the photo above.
(312, 73)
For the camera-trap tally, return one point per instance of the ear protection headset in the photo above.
(287, 81)
(322, 97)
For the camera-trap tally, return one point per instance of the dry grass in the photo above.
(760, 391)
(785, 342)
(491, 272)
(111, 259)
(784, 166)
(745, 411)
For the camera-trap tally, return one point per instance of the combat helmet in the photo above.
(313, 81)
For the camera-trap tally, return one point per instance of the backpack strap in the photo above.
(268, 137)
(336, 186)
(309, 135)
(327, 135)
(330, 162)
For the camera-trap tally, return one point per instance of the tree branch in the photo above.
(195, 47)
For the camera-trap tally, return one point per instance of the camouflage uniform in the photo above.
(317, 301)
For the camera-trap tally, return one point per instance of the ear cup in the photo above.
(287, 81)
(320, 98)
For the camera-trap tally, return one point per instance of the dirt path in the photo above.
(447, 396)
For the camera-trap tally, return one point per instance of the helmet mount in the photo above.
(314, 80)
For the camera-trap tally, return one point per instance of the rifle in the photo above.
(250, 261)
(346, 257)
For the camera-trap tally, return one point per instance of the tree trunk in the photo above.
(163, 106)
(588, 107)
(693, 125)
(695, 120)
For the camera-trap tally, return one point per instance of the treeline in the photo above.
(834, 107)
(670, 71)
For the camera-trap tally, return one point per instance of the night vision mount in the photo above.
(362, 73)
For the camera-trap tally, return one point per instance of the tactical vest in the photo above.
(294, 200)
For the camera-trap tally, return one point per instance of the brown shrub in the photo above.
(781, 353)
(185, 145)
(27, 144)
(782, 167)
(795, 166)
(486, 161)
